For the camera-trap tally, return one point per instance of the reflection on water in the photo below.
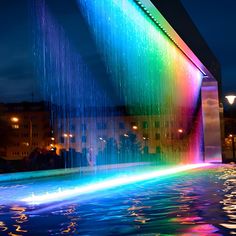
(198, 203)
(18, 218)
(229, 199)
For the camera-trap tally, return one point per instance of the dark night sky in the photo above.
(16, 67)
(215, 20)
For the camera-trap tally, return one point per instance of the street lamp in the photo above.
(68, 137)
(14, 119)
(145, 148)
(180, 131)
(14, 122)
(231, 99)
(135, 127)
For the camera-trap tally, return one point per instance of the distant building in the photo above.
(156, 135)
(27, 128)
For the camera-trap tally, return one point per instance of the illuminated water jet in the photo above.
(137, 97)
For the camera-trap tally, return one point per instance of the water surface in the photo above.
(200, 202)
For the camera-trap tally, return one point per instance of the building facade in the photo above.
(28, 128)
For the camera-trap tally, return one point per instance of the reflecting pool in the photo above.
(199, 202)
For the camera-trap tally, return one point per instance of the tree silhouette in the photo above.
(5, 134)
(130, 148)
(110, 151)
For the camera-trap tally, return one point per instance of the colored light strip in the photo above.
(151, 11)
(107, 184)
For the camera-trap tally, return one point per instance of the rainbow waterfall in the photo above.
(120, 92)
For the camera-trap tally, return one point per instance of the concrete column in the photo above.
(211, 121)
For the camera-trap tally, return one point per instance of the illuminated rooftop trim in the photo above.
(107, 184)
(153, 13)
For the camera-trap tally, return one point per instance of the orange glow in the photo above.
(14, 119)
(134, 127)
(15, 126)
(180, 131)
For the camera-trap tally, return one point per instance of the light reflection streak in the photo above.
(137, 211)
(12, 234)
(18, 229)
(71, 227)
(229, 201)
(3, 227)
(188, 213)
(20, 217)
(107, 184)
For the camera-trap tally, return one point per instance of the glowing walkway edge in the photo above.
(106, 184)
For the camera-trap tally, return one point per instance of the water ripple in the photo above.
(200, 203)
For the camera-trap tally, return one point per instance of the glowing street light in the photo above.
(230, 99)
(135, 127)
(180, 131)
(68, 137)
(14, 119)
